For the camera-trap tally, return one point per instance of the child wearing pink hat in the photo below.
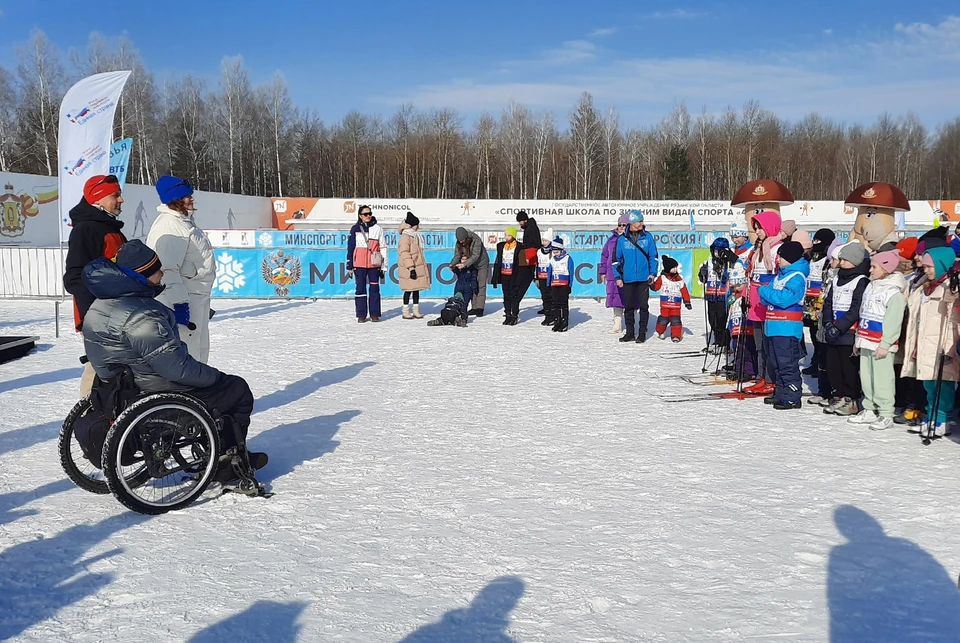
(878, 337)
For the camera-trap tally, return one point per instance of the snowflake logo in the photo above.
(265, 239)
(229, 273)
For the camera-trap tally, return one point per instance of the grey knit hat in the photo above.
(853, 252)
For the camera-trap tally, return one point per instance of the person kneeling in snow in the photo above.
(127, 326)
(455, 312)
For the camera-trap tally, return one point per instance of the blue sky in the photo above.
(850, 60)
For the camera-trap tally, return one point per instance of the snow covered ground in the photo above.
(482, 484)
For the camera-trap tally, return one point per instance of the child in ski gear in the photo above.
(742, 344)
(636, 269)
(673, 292)
(608, 274)
(367, 262)
(543, 263)
(842, 312)
(812, 302)
(763, 266)
(911, 396)
(713, 274)
(454, 313)
(740, 237)
(783, 324)
(878, 337)
(504, 267)
(559, 280)
(931, 337)
(824, 396)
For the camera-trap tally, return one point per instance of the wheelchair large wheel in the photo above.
(82, 472)
(175, 437)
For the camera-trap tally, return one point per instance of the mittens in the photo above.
(688, 305)
(832, 333)
(182, 313)
(413, 273)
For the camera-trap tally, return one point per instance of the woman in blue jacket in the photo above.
(783, 324)
(636, 268)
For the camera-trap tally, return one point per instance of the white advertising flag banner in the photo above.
(86, 133)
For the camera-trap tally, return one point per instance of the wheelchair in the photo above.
(159, 451)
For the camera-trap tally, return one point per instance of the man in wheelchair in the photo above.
(127, 328)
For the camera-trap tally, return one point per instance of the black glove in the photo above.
(702, 275)
(832, 333)
(413, 273)
(382, 276)
(688, 305)
(728, 257)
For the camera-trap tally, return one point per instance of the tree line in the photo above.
(227, 135)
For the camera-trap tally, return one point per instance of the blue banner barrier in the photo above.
(281, 273)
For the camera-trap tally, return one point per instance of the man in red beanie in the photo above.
(96, 233)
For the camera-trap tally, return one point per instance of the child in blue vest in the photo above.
(544, 255)
(559, 280)
(783, 324)
(673, 292)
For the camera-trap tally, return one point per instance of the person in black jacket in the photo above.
(841, 312)
(505, 273)
(526, 260)
(96, 233)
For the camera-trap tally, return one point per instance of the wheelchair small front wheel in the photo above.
(174, 437)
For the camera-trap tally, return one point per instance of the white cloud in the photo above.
(828, 32)
(597, 33)
(677, 14)
(899, 72)
(572, 51)
(947, 30)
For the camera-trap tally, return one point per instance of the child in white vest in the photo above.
(559, 280)
(878, 338)
(673, 292)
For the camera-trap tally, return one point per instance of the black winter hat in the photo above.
(935, 233)
(822, 240)
(411, 220)
(791, 251)
(669, 263)
(461, 234)
(138, 257)
(522, 215)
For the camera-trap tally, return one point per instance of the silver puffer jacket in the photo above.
(127, 326)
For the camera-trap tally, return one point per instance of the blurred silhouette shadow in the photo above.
(27, 437)
(485, 621)
(887, 589)
(262, 621)
(9, 502)
(41, 378)
(257, 310)
(290, 445)
(309, 385)
(41, 576)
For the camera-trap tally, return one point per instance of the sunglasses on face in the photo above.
(366, 214)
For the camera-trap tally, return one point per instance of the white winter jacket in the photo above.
(189, 267)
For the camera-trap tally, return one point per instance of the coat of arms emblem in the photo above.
(281, 270)
(14, 210)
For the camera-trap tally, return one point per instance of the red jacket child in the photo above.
(673, 292)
